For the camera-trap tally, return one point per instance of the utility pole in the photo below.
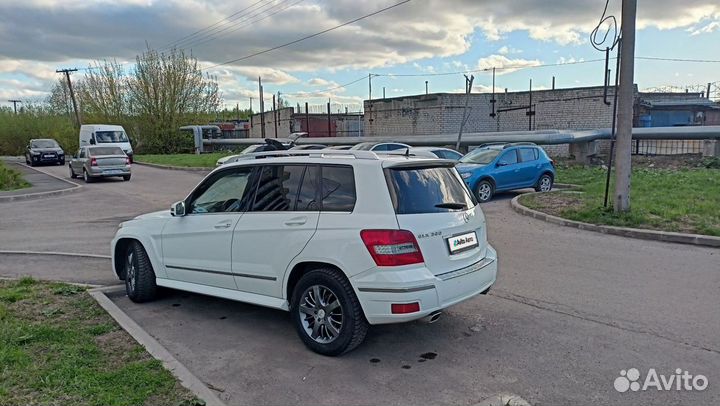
(328, 118)
(468, 89)
(708, 90)
(383, 92)
(426, 87)
(15, 102)
(492, 98)
(530, 113)
(623, 161)
(72, 93)
(275, 116)
(369, 86)
(262, 109)
(251, 110)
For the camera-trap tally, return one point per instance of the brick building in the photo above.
(581, 108)
(315, 124)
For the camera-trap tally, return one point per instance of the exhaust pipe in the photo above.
(432, 317)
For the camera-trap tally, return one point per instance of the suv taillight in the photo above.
(93, 162)
(392, 247)
(127, 160)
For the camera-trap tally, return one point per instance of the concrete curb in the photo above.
(504, 399)
(39, 195)
(174, 168)
(665, 236)
(63, 254)
(186, 378)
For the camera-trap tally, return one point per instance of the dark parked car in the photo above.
(44, 151)
(498, 168)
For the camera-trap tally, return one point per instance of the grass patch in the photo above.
(681, 199)
(10, 179)
(57, 346)
(185, 160)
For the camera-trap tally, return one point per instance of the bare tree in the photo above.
(103, 92)
(165, 91)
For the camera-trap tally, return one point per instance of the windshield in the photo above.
(96, 151)
(481, 156)
(44, 144)
(111, 136)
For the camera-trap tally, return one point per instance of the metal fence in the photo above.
(667, 147)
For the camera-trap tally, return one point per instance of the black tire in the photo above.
(139, 275)
(354, 326)
(62, 162)
(32, 163)
(126, 177)
(86, 177)
(545, 183)
(484, 190)
(72, 173)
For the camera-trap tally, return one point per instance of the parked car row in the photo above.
(105, 151)
(487, 170)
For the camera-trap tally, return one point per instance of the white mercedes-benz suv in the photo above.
(341, 239)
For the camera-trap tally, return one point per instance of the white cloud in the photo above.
(251, 73)
(504, 65)
(706, 29)
(320, 82)
(506, 50)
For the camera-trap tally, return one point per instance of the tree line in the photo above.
(161, 93)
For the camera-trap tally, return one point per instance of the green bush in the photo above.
(11, 179)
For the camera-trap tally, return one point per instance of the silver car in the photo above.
(93, 162)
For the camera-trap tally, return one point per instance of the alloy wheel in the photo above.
(131, 271)
(545, 184)
(484, 191)
(321, 314)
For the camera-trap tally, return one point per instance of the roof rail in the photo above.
(512, 144)
(314, 153)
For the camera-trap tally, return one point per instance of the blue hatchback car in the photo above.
(497, 168)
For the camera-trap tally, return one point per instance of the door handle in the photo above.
(222, 225)
(296, 221)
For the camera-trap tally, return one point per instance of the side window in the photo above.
(227, 191)
(381, 147)
(536, 151)
(394, 147)
(81, 153)
(509, 157)
(278, 188)
(528, 154)
(308, 194)
(338, 188)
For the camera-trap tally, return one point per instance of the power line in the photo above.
(656, 58)
(515, 67)
(213, 36)
(219, 22)
(311, 35)
(305, 94)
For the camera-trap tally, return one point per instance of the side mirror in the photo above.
(92, 141)
(178, 209)
(502, 163)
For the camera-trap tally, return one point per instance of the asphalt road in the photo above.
(570, 310)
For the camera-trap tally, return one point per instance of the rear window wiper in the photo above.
(451, 205)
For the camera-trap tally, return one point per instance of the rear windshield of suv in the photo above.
(427, 190)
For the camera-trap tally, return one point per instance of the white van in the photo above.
(106, 135)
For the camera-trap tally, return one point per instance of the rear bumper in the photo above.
(378, 290)
(106, 171)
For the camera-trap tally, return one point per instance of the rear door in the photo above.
(435, 204)
(281, 220)
(529, 166)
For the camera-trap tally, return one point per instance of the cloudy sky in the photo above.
(404, 46)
